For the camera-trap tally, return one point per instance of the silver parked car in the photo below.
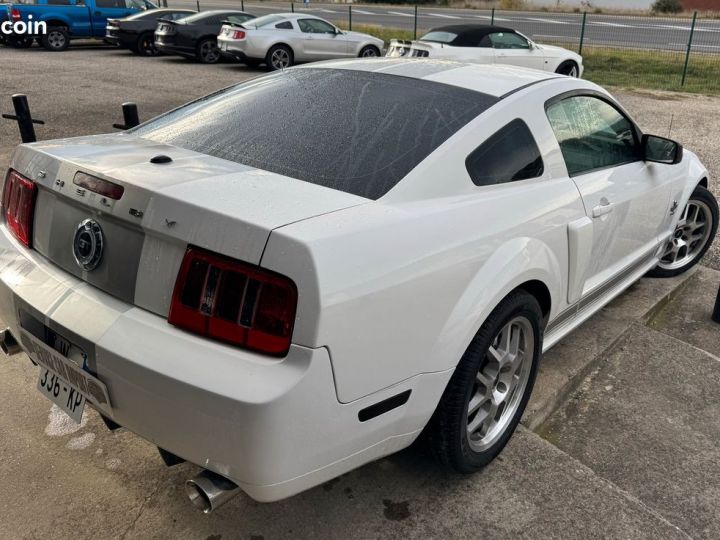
(283, 39)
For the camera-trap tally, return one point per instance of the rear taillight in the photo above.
(238, 34)
(15, 15)
(224, 299)
(19, 206)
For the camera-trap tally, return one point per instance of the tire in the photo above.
(145, 45)
(279, 57)
(57, 39)
(369, 51)
(568, 68)
(693, 235)
(19, 43)
(449, 431)
(207, 51)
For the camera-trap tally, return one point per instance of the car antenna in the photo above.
(672, 116)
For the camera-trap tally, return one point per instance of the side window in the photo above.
(285, 25)
(485, 41)
(592, 134)
(315, 26)
(110, 3)
(509, 155)
(305, 26)
(508, 40)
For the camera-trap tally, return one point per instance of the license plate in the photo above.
(69, 399)
(68, 377)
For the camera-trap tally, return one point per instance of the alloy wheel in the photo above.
(369, 52)
(690, 236)
(209, 53)
(280, 59)
(500, 384)
(56, 39)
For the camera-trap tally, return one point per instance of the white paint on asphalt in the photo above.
(60, 424)
(81, 443)
(550, 21)
(400, 13)
(614, 25)
(443, 16)
(361, 12)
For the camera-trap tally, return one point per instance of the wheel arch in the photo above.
(54, 21)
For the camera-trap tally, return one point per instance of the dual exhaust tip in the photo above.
(208, 491)
(8, 343)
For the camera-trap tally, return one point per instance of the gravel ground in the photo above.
(79, 92)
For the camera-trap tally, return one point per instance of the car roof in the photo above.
(492, 79)
(476, 29)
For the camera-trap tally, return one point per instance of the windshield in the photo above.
(356, 131)
(439, 37)
(264, 21)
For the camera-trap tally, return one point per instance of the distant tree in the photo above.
(512, 4)
(667, 6)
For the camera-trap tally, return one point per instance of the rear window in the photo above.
(266, 20)
(354, 131)
(209, 17)
(439, 37)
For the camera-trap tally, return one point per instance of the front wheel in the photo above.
(208, 52)
(57, 39)
(692, 237)
(279, 57)
(568, 68)
(487, 394)
(369, 51)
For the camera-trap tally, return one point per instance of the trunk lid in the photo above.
(195, 199)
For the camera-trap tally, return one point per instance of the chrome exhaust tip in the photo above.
(208, 491)
(8, 343)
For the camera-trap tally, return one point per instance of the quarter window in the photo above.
(592, 134)
(286, 25)
(509, 155)
(508, 40)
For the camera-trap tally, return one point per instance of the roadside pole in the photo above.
(415, 25)
(689, 47)
(292, 7)
(582, 32)
(492, 16)
(350, 17)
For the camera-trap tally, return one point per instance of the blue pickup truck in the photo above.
(65, 20)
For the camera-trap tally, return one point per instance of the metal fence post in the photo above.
(242, 5)
(350, 17)
(415, 25)
(292, 7)
(582, 32)
(24, 118)
(197, 2)
(687, 54)
(492, 16)
(716, 311)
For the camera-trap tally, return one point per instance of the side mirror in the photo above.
(661, 150)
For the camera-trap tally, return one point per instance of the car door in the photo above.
(110, 9)
(320, 40)
(515, 50)
(626, 199)
(481, 53)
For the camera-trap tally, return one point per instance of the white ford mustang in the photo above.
(300, 274)
(489, 45)
(284, 39)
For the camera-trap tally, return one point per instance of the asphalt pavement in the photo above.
(667, 33)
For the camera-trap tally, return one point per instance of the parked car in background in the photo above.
(196, 36)
(489, 45)
(284, 39)
(302, 273)
(74, 19)
(137, 32)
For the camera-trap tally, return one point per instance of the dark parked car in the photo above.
(137, 31)
(196, 36)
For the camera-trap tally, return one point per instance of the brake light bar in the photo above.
(19, 205)
(225, 299)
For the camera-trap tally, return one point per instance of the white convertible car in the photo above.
(488, 45)
(282, 40)
(305, 272)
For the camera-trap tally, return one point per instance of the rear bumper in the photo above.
(171, 48)
(239, 50)
(274, 426)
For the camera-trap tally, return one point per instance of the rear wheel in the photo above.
(369, 51)
(568, 68)
(57, 39)
(693, 235)
(487, 394)
(279, 57)
(145, 45)
(208, 52)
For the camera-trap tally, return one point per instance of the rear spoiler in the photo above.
(236, 25)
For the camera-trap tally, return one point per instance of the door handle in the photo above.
(605, 207)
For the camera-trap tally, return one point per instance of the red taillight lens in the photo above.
(19, 206)
(221, 298)
(15, 15)
(238, 34)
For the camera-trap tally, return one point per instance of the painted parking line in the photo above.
(443, 16)
(400, 13)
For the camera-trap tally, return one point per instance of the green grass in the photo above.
(630, 68)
